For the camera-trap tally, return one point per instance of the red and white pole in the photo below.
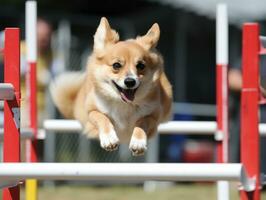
(249, 107)
(31, 44)
(222, 93)
(12, 107)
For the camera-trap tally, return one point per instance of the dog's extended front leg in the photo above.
(107, 135)
(145, 127)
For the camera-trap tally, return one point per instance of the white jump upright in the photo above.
(222, 93)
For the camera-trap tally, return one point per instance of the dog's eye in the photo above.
(140, 66)
(117, 65)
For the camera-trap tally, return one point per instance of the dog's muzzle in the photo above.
(127, 95)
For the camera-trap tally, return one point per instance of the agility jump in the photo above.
(11, 97)
(247, 173)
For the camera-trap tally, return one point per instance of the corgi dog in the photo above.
(124, 94)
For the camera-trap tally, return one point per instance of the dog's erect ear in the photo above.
(104, 35)
(151, 38)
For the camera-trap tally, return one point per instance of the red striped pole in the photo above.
(31, 42)
(222, 94)
(12, 107)
(222, 83)
(222, 112)
(249, 107)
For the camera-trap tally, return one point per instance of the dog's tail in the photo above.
(64, 90)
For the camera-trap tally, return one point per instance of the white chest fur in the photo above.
(123, 115)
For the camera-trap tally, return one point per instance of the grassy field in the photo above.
(179, 191)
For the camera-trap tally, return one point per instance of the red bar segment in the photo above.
(11, 108)
(222, 112)
(32, 85)
(249, 107)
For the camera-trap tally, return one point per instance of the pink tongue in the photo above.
(127, 95)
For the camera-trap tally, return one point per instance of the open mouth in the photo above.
(127, 95)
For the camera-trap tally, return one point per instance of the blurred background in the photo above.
(187, 43)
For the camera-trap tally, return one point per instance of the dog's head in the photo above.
(125, 70)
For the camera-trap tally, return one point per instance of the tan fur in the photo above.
(64, 91)
(97, 103)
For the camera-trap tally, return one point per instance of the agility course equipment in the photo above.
(249, 106)
(222, 94)
(199, 128)
(247, 173)
(12, 173)
(11, 148)
(171, 127)
(31, 82)
(219, 129)
(127, 171)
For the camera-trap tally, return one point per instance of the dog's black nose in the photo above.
(130, 82)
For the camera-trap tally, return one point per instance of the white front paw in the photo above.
(138, 146)
(109, 141)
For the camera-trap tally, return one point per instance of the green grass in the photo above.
(196, 191)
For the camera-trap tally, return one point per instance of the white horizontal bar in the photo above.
(171, 127)
(62, 125)
(196, 127)
(121, 171)
(191, 127)
(6, 91)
